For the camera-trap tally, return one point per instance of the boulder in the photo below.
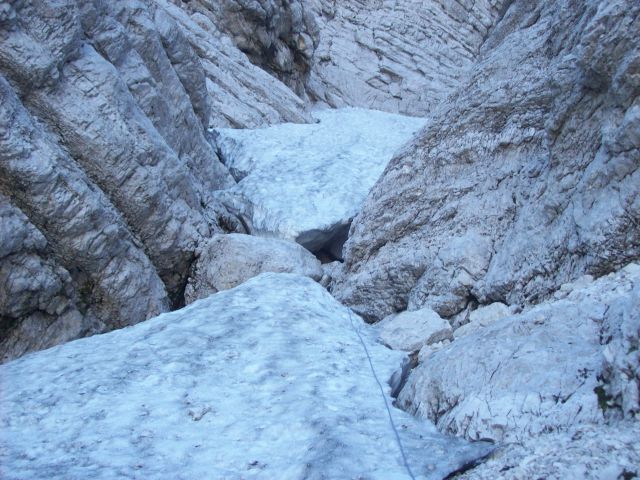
(481, 317)
(226, 261)
(411, 330)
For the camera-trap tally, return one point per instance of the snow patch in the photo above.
(305, 182)
(267, 380)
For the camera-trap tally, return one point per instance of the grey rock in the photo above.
(226, 261)
(37, 307)
(548, 369)
(411, 330)
(329, 270)
(87, 240)
(594, 452)
(279, 36)
(242, 95)
(403, 56)
(621, 367)
(530, 169)
(482, 317)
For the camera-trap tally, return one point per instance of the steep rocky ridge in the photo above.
(525, 178)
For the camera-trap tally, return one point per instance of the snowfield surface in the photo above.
(268, 380)
(298, 178)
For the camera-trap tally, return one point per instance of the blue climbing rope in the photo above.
(384, 397)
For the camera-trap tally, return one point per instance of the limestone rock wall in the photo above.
(106, 168)
(402, 56)
(525, 178)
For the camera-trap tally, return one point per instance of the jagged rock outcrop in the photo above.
(557, 385)
(525, 178)
(279, 36)
(587, 452)
(540, 371)
(267, 380)
(402, 57)
(105, 109)
(36, 307)
(226, 261)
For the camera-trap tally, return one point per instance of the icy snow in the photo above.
(297, 178)
(267, 380)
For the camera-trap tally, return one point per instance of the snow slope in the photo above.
(267, 380)
(301, 181)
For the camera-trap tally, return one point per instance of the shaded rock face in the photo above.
(279, 36)
(226, 261)
(525, 178)
(106, 168)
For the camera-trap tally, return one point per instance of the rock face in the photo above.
(279, 36)
(402, 56)
(106, 169)
(548, 369)
(274, 368)
(226, 261)
(593, 452)
(482, 317)
(306, 182)
(525, 178)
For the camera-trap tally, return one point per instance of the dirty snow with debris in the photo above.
(267, 380)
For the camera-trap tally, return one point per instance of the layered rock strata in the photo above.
(106, 162)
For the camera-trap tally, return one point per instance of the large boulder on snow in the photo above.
(566, 362)
(226, 261)
(306, 182)
(525, 178)
(267, 380)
